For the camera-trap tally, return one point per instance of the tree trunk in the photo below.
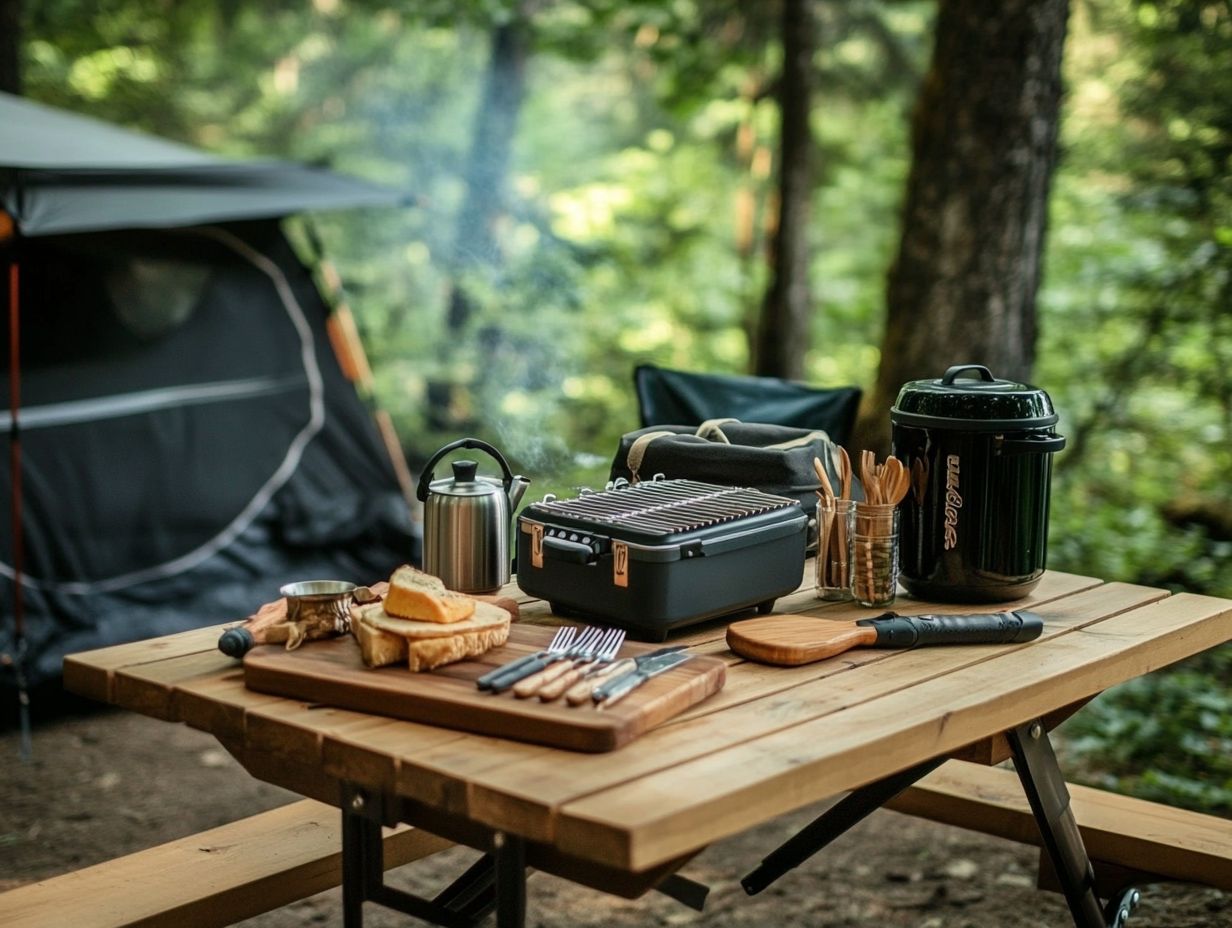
(984, 140)
(488, 163)
(10, 46)
(782, 337)
(450, 406)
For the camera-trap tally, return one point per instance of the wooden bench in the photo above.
(1127, 839)
(209, 879)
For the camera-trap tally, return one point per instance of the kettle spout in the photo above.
(516, 488)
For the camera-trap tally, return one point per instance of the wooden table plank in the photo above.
(757, 680)
(692, 804)
(525, 794)
(369, 757)
(90, 673)
(218, 703)
(151, 688)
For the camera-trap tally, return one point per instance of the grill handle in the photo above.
(565, 550)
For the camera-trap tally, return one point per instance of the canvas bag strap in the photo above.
(637, 451)
(802, 441)
(712, 430)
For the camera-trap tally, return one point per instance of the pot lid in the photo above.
(969, 397)
(464, 482)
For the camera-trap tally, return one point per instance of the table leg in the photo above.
(852, 809)
(355, 864)
(474, 892)
(1044, 785)
(363, 873)
(509, 852)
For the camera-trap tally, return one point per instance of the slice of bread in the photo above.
(426, 653)
(484, 618)
(414, 594)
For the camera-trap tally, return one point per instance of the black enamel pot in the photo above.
(975, 525)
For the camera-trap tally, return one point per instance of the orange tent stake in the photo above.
(18, 659)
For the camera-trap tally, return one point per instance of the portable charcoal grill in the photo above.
(652, 556)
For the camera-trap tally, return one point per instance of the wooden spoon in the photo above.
(894, 478)
(845, 472)
(868, 473)
(820, 470)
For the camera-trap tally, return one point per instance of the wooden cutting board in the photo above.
(332, 673)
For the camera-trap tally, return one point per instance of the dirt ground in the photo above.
(105, 783)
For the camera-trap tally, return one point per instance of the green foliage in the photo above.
(1137, 352)
(1165, 736)
(1137, 345)
(634, 229)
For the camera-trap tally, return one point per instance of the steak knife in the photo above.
(581, 691)
(609, 693)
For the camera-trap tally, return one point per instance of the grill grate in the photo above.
(666, 506)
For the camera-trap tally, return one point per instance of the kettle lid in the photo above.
(969, 397)
(464, 482)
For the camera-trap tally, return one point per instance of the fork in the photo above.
(508, 678)
(582, 651)
(604, 655)
(558, 645)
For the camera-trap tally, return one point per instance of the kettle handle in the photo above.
(421, 492)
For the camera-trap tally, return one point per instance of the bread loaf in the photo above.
(385, 639)
(414, 594)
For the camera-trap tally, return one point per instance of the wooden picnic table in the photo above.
(773, 740)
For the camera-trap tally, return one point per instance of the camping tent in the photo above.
(179, 435)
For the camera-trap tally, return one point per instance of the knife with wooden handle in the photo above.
(529, 686)
(579, 693)
(554, 689)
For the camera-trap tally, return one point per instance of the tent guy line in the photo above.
(146, 401)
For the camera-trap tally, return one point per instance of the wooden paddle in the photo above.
(789, 640)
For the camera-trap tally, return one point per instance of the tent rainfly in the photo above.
(181, 436)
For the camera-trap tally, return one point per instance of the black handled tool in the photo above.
(798, 639)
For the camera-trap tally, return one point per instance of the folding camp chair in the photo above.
(672, 397)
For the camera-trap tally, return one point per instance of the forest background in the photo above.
(596, 187)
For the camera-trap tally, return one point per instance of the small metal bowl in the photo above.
(319, 602)
(317, 588)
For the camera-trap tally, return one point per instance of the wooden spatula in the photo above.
(798, 639)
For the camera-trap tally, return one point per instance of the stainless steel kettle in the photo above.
(467, 520)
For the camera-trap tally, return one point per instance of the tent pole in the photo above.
(349, 350)
(19, 625)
